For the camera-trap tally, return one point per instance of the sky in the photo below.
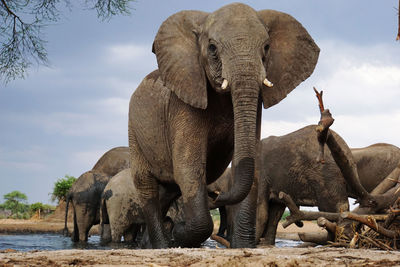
(61, 118)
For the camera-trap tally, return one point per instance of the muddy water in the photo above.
(29, 242)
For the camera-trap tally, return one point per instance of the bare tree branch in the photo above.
(21, 30)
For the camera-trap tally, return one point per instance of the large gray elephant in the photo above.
(203, 106)
(288, 164)
(85, 193)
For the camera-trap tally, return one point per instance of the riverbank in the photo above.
(262, 256)
(204, 257)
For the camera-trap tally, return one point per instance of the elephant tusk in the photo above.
(268, 83)
(224, 84)
(217, 192)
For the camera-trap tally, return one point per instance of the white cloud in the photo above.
(129, 53)
(361, 88)
(87, 158)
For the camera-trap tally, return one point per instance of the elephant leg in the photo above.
(131, 233)
(198, 225)
(275, 213)
(222, 221)
(105, 233)
(244, 221)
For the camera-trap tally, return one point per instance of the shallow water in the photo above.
(31, 242)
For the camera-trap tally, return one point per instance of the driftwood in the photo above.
(371, 223)
(298, 215)
(221, 240)
(328, 225)
(320, 238)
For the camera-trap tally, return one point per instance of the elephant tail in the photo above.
(103, 211)
(67, 200)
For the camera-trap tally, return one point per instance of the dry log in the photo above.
(221, 240)
(320, 238)
(298, 215)
(328, 225)
(371, 223)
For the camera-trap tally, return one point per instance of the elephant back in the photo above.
(289, 164)
(375, 163)
(113, 161)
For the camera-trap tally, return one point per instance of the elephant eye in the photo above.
(212, 49)
(266, 49)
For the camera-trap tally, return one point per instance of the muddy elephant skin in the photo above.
(203, 106)
(288, 164)
(85, 193)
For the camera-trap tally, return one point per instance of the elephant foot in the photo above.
(185, 236)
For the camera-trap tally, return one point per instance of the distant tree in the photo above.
(36, 206)
(16, 202)
(21, 30)
(61, 188)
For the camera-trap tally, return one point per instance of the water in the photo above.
(31, 242)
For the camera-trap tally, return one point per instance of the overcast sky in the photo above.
(62, 118)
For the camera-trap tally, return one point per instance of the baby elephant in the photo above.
(120, 213)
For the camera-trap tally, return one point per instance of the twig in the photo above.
(371, 223)
(376, 243)
(398, 32)
(319, 97)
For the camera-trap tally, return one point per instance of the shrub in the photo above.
(61, 188)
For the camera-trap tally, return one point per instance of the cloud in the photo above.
(361, 88)
(87, 158)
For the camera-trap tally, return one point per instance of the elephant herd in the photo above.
(199, 112)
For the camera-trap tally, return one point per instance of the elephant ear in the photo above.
(177, 52)
(293, 55)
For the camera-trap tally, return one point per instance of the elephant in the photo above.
(201, 109)
(120, 212)
(85, 193)
(288, 164)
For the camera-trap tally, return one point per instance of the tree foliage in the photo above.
(21, 30)
(16, 202)
(61, 188)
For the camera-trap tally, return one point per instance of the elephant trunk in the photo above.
(245, 93)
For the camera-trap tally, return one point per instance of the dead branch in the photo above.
(324, 123)
(376, 242)
(221, 240)
(319, 97)
(371, 223)
(298, 215)
(321, 238)
(398, 31)
(328, 225)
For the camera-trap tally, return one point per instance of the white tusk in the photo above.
(268, 83)
(224, 84)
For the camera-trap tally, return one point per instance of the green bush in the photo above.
(61, 188)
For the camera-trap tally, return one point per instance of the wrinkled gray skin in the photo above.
(289, 165)
(184, 128)
(85, 193)
(120, 212)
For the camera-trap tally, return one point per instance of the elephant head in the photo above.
(238, 51)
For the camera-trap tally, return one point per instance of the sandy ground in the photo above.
(204, 257)
(262, 256)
